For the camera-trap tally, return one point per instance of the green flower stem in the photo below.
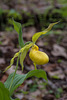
(15, 71)
(20, 39)
(35, 66)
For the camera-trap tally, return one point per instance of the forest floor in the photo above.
(35, 89)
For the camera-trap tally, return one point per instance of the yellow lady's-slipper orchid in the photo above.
(37, 56)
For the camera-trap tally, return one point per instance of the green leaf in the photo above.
(15, 99)
(18, 28)
(22, 57)
(4, 93)
(37, 35)
(27, 43)
(19, 79)
(11, 62)
(24, 51)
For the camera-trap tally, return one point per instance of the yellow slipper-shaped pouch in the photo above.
(38, 57)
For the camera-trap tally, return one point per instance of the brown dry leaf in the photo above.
(63, 64)
(2, 61)
(59, 51)
(5, 38)
(29, 33)
(48, 97)
(50, 67)
(55, 70)
(19, 95)
(4, 77)
(39, 97)
(40, 43)
(2, 64)
(33, 95)
(58, 74)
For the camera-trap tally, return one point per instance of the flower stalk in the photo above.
(14, 72)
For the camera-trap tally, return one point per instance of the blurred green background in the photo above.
(38, 13)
